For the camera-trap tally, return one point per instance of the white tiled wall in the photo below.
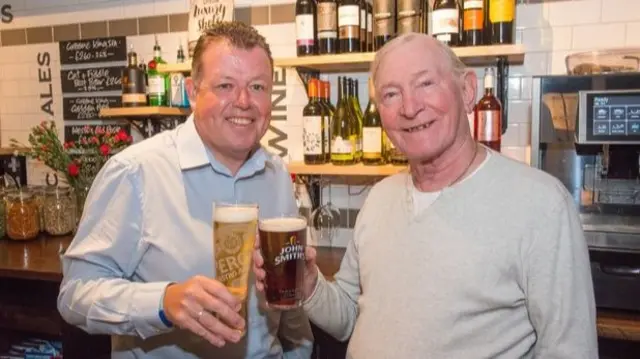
(548, 31)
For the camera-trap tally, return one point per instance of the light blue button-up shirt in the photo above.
(148, 222)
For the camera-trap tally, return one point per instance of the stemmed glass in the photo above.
(325, 220)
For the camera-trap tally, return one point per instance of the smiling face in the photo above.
(422, 101)
(232, 101)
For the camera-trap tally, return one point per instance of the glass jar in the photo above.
(22, 215)
(59, 211)
(38, 194)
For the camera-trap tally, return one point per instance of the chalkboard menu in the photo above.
(76, 132)
(87, 108)
(95, 79)
(105, 49)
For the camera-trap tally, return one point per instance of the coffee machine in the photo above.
(586, 132)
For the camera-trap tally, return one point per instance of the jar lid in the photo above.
(19, 195)
(58, 190)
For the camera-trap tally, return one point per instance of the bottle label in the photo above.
(177, 89)
(156, 85)
(408, 24)
(445, 21)
(312, 135)
(384, 26)
(349, 22)
(369, 22)
(489, 126)
(363, 19)
(343, 149)
(473, 15)
(327, 134)
(327, 23)
(502, 10)
(304, 30)
(371, 140)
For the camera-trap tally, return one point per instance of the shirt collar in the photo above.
(192, 153)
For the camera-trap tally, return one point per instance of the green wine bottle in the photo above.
(371, 132)
(343, 133)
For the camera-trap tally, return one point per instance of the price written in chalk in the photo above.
(91, 80)
(105, 49)
(87, 108)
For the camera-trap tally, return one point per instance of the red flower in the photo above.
(43, 148)
(73, 169)
(105, 149)
(122, 136)
(94, 139)
(68, 145)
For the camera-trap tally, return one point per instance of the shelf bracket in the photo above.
(305, 74)
(502, 86)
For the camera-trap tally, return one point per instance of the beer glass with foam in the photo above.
(282, 243)
(234, 235)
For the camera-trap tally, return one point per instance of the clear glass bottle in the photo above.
(22, 215)
(59, 211)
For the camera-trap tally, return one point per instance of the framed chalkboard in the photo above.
(87, 108)
(76, 132)
(104, 49)
(94, 79)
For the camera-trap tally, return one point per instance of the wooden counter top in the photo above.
(35, 259)
(39, 260)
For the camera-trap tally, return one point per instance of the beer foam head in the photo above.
(237, 214)
(283, 224)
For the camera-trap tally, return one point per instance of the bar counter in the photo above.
(30, 276)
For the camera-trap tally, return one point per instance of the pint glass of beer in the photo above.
(234, 235)
(282, 242)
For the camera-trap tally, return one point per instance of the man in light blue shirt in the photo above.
(141, 264)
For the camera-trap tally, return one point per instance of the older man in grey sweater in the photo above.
(469, 254)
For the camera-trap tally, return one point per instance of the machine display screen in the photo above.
(613, 116)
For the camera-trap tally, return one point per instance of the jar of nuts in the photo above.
(22, 215)
(59, 211)
(38, 195)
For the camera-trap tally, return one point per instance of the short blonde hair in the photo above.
(455, 64)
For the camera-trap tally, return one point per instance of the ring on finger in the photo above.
(199, 315)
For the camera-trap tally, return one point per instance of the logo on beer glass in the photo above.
(291, 252)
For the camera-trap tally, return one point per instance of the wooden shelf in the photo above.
(360, 62)
(359, 169)
(144, 111)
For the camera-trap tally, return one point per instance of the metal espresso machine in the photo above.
(586, 132)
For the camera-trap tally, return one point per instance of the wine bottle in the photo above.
(134, 92)
(356, 114)
(349, 26)
(488, 115)
(445, 19)
(501, 18)
(327, 114)
(343, 140)
(306, 27)
(369, 26)
(473, 22)
(408, 16)
(384, 20)
(327, 11)
(363, 26)
(393, 155)
(313, 127)
(371, 132)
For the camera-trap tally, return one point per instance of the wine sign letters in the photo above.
(6, 15)
(76, 132)
(104, 49)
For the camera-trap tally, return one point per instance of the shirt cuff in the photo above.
(309, 302)
(145, 308)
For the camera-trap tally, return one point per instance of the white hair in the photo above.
(455, 64)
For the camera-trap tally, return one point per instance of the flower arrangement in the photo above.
(79, 161)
